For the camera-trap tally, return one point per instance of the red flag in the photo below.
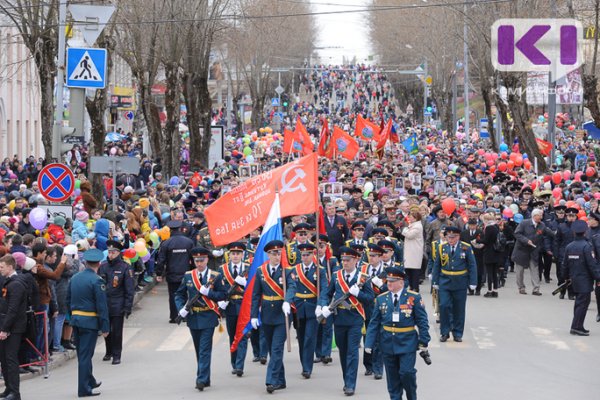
(325, 148)
(290, 141)
(366, 130)
(195, 180)
(323, 231)
(303, 138)
(385, 135)
(544, 146)
(394, 135)
(344, 144)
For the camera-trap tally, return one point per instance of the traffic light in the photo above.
(68, 138)
(428, 91)
(285, 101)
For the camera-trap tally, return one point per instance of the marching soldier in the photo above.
(581, 268)
(435, 295)
(87, 313)
(350, 317)
(234, 281)
(399, 323)
(120, 292)
(274, 304)
(373, 361)
(202, 315)
(325, 329)
(454, 271)
(306, 301)
(358, 233)
(388, 258)
(301, 237)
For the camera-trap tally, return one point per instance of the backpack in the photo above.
(500, 243)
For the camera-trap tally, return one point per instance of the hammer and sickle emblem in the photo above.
(288, 186)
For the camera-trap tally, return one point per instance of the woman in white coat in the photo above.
(413, 247)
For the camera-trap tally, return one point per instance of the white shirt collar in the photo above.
(351, 274)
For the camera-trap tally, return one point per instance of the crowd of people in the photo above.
(438, 208)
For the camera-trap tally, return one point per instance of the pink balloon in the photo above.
(567, 175)
(508, 213)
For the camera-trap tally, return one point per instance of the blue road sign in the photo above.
(275, 102)
(56, 182)
(483, 128)
(86, 68)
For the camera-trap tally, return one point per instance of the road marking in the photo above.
(483, 337)
(176, 341)
(546, 336)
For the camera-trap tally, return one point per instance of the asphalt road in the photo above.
(515, 347)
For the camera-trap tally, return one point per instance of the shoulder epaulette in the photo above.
(466, 244)
(412, 292)
(384, 293)
(188, 272)
(214, 273)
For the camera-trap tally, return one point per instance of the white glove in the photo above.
(183, 312)
(354, 290)
(368, 350)
(240, 280)
(472, 287)
(318, 311)
(223, 304)
(430, 276)
(204, 290)
(326, 312)
(436, 287)
(254, 322)
(217, 253)
(377, 281)
(285, 307)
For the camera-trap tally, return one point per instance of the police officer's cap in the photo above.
(537, 203)
(174, 224)
(451, 229)
(199, 251)
(357, 247)
(322, 238)
(273, 244)
(93, 255)
(114, 245)
(236, 246)
(527, 189)
(348, 252)
(357, 224)
(306, 247)
(579, 226)
(386, 244)
(303, 226)
(380, 231)
(572, 211)
(560, 208)
(394, 274)
(376, 249)
(595, 216)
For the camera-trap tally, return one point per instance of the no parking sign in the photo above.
(56, 182)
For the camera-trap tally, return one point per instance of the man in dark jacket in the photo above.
(174, 261)
(581, 268)
(13, 306)
(336, 227)
(120, 290)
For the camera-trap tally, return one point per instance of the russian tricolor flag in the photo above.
(271, 231)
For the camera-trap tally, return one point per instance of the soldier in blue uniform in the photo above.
(350, 316)
(390, 230)
(234, 281)
(454, 271)
(87, 313)
(373, 361)
(581, 268)
(325, 329)
(399, 323)
(203, 314)
(358, 233)
(274, 304)
(564, 236)
(306, 302)
(301, 231)
(120, 291)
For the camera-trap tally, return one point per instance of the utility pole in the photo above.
(552, 103)
(454, 95)
(425, 86)
(60, 81)
(466, 67)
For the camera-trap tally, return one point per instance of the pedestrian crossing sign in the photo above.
(86, 68)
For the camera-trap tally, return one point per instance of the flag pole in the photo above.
(284, 286)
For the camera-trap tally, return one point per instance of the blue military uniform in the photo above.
(582, 269)
(87, 313)
(293, 253)
(325, 329)
(269, 300)
(235, 293)
(349, 320)
(399, 323)
(306, 302)
(454, 271)
(564, 236)
(203, 315)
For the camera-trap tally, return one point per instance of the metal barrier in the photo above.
(44, 358)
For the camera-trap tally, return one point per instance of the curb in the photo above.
(59, 359)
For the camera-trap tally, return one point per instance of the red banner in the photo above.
(247, 206)
(345, 145)
(544, 146)
(366, 130)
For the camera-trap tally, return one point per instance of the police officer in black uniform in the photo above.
(120, 290)
(174, 261)
(564, 236)
(581, 268)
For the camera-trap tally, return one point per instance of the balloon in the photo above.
(369, 186)
(519, 160)
(503, 155)
(250, 159)
(77, 192)
(140, 246)
(77, 184)
(534, 185)
(247, 151)
(578, 176)
(481, 152)
(518, 218)
(581, 214)
(135, 258)
(146, 257)
(571, 128)
(508, 213)
(527, 165)
(589, 172)
(514, 208)
(504, 147)
(510, 164)
(567, 175)
(597, 195)
(502, 166)
(490, 162)
(153, 236)
(557, 193)
(143, 253)
(525, 156)
(448, 205)
(129, 253)
(513, 156)
(557, 178)
(113, 151)
(38, 218)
